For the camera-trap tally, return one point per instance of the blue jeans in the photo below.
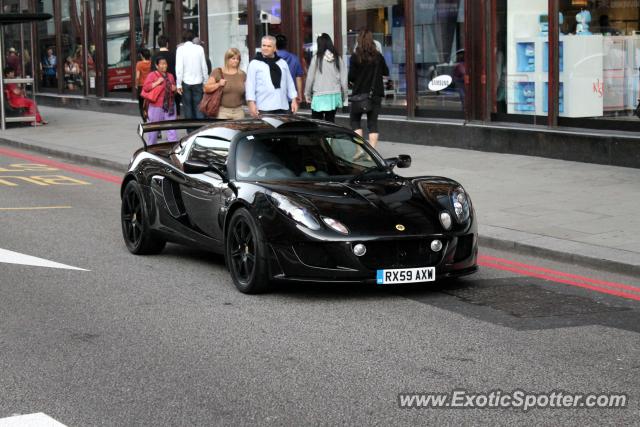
(191, 97)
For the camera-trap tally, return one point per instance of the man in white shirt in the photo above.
(191, 75)
(269, 86)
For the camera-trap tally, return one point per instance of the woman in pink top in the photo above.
(162, 84)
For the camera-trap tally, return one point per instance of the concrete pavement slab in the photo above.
(581, 212)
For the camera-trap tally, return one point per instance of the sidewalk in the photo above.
(569, 211)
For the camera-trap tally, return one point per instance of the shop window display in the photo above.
(599, 61)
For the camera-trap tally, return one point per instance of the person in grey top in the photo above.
(326, 87)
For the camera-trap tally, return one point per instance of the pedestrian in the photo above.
(366, 69)
(196, 40)
(231, 80)
(191, 74)
(293, 62)
(326, 87)
(49, 64)
(160, 86)
(16, 98)
(13, 61)
(72, 74)
(143, 68)
(170, 56)
(270, 87)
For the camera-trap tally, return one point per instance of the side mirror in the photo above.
(404, 161)
(195, 167)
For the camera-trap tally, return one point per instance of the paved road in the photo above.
(167, 340)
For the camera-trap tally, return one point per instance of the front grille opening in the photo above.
(315, 255)
(464, 248)
(410, 253)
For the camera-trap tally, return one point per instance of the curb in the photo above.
(608, 265)
(485, 240)
(88, 160)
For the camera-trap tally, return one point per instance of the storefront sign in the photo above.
(440, 83)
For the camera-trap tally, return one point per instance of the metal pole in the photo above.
(554, 72)
(22, 50)
(85, 47)
(2, 112)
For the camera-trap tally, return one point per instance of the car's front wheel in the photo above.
(135, 223)
(246, 254)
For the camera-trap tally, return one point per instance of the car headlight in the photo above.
(445, 220)
(335, 225)
(294, 210)
(461, 204)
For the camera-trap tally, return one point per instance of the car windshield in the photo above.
(314, 156)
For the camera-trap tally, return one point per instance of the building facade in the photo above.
(560, 64)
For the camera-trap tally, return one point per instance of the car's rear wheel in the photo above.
(246, 254)
(135, 223)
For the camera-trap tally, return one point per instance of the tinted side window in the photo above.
(210, 150)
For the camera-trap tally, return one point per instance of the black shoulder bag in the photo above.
(363, 102)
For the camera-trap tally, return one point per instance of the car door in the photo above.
(202, 192)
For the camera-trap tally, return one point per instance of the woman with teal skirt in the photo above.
(326, 87)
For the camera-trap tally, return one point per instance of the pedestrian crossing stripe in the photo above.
(10, 257)
(32, 420)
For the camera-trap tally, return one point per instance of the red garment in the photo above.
(148, 86)
(17, 101)
(144, 67)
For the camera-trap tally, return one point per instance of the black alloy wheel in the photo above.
(135, 228)
(246, 254)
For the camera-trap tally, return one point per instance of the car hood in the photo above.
(390, 206)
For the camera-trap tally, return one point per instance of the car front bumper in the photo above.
(336, 262)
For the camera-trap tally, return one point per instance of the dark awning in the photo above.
(19, 18)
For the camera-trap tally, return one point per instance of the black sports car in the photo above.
(286, 198)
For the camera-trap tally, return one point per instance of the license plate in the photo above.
(119, 87)
(406, 275)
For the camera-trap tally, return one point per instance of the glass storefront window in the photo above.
(72, 54)
(268, 20)
(439, 55)
(151, 22)
(46, 68)
(17, 41)
(227, 28)
(521, 78)
(599, 60)
(190, 16)
(385, 19)
(119, 72)
(92, 81)
(317, 18)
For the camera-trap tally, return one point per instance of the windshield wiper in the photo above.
(366, 171)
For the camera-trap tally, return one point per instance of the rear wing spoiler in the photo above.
(188, 124)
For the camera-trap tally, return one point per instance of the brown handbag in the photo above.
(210, 104)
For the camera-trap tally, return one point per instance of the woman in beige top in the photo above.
(232, 81)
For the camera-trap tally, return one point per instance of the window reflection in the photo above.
(386, 21)
(439, 51)
(227, 28)
(119, 72)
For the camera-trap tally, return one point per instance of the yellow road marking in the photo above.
(35, 208)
